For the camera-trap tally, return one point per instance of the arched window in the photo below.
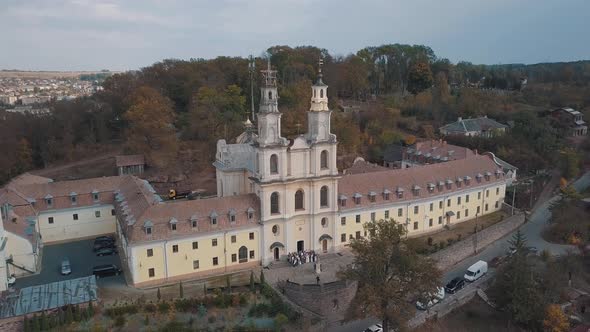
(324, 222)
(274, 203)
(274, 164)
(243, 254)
(314, 93)
(324, 196)
(270, 95)
(321, 93)
(299, 200)
(324, 159)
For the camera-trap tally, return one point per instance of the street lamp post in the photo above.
(475, 235)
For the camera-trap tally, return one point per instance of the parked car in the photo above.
(66, 268)
(106, 251)
(374, 328)
(103, 244)
(476, 271)
(454, 285)
(107, 270)
(105, 238)
(11, 280)
(434, 299)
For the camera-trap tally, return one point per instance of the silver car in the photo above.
(66, 267)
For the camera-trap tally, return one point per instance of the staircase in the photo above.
(9, 261)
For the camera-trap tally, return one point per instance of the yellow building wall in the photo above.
(422, 218)
(65, 228)
(168, 264)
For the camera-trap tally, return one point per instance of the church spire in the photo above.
(319, 91)
(269, 95)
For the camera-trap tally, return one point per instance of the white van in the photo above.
(476, 271)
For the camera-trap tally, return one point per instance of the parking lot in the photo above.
(82, 260)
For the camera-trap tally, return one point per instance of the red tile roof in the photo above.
(161, 215)
(421, 176)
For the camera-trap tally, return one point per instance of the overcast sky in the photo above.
(121, 35)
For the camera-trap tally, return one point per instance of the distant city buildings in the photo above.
(16, 91)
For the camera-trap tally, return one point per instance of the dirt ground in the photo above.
(464, 229)
(475, 315)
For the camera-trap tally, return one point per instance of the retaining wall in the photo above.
(326, 299)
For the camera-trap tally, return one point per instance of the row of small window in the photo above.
(372, 197)
(73, 199)
(150, 252)
(400, 213)
(274, 162)
(299, 199)
(194, 222)
(75, 216)
(215, 262)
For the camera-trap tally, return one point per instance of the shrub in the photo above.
(120, 321)
(442, 244)
(181, 290)
(243, 300)
(211, 319)
(149, 307)
(202, 310)
(450, 241)
(262, 281)
(280, 320)
(429, 241)
(163, 307)
(158, 294)
(146, 320)
(252, 285)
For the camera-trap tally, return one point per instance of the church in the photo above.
(275, 196)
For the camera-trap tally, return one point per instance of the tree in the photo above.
(516, 288)
(419, 78)
(151, 127)
(262, 281)
(280, 321)
(388, 272)
(181, 290)
(24, 156)
(555, 320)
(518, 242)
(158, 294)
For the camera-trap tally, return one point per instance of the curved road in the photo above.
(532, 230)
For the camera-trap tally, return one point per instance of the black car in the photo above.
(106, 238)
(106, 270)
(103, 244)
(106, 251)
(454, 285)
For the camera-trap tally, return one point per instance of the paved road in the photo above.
(532, 230)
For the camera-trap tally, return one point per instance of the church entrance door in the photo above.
(276, 250)
(325, 245)
(300, 246)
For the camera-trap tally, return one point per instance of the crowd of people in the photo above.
(302, 257)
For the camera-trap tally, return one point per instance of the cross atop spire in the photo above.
(269, 76)
(319, 81)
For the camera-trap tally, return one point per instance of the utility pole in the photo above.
(251, 68)
(513, 196)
